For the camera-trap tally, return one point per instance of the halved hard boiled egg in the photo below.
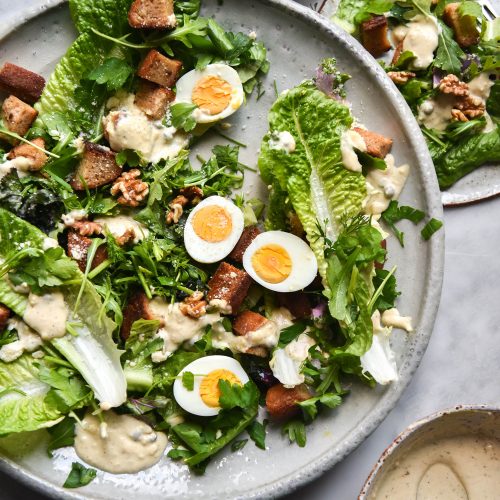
(280, 261)
(212, 229)
(203, 400)
(216, 90)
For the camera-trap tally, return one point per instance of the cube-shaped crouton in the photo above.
(97, 167)
(281, 402)
(17, 115)
(20, 82)
(464, 27)
(159, 69)
(376, 144)
(4, 316)
(37, 158)
(248, 235)
(153, 99)
(77, 249)
(297, 303)
(137, 308)
(374, 35)
(229, 284)
(248, 321)
(152, 14)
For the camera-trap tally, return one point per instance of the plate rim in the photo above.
(432, 284)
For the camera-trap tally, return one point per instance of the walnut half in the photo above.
(131, 189)
(194, 306)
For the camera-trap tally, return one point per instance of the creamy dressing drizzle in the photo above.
(422, 40)
(127, 127)
(465, 463)
(349, 141)
(283, 141)
(120, 224)
(382, 186)
(266, 336)
(392, 317)
(21, 164)
(28, 341)
(176, 328)
(124, 445)
(47, 314)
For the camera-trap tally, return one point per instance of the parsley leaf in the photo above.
(61, 435)
(291, 333)
(430, 228)
(310, 408)
(188, 380)
(237, 396)
(257, 432)
(113, 72)
(182, 116)
(79, 476)
(296, 431)
(396, 213)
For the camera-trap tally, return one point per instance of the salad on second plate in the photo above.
(148, 307)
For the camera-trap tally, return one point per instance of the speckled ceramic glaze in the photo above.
(298, 39)
(460, 421)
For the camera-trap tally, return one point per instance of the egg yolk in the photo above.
(212, 94)
(209, 386)
(272, 263)
(212, 223)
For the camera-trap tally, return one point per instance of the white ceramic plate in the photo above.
(298, 39)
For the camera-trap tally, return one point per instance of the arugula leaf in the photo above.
(182, 116)
(113, 72)
(310, 406)
(395, 213)
(188, 380)
(291, 333)
(61, 435)
(79, 476)
(430, 228)
(472, 9)
(257, 432)
(387, 298)
(296, 431)
(449, 55)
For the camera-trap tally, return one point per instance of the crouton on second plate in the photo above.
(159, 69)
(137, 308)
(464, 27)
(376, 144)
(17, 116)
(248, 321)
(281, 402)
(37, 158)
(152, 14)
(21, 82)
(77, 249)
(153, 99)
(97, 167)
(248, 235)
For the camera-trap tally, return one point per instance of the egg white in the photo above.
(187, 82)
(208, 252)
(304, 263)
(191, 400)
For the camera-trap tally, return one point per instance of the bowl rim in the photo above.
(413, 429)
(432, 286)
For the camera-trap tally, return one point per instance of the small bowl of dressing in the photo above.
(451, 455)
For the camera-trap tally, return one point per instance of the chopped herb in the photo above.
(238, 444)
(79, 476)
(182, 116)
(188, 380)
(257, 432)
(296, 431)
(430, 228)
(396, 213)
(291, 333)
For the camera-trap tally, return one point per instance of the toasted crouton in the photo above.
(4, 316)
(153, 99)
(20, 82)
(464, 27)
(229, 284)
(297, 303)
(137, 308)
(159, 69)
(281, 402)
(248, 235)
(77, 249)
(376, 144)
(152, 14)
(17, 115)
(374, 35)
(37, 158)
(97, 167)
(248, 321)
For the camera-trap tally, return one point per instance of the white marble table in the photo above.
(461, 363)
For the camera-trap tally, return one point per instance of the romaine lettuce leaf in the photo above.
(92, 352)
(313, 177)
(107, 16)
(22, 398)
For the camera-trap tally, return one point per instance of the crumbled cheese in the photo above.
(71, 217)
(28, 341)
(120, 224)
